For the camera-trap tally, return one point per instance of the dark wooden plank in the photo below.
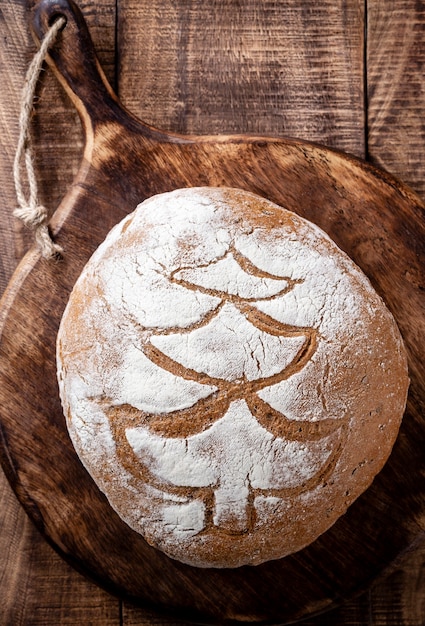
(217, 67)
(281, 68)
(396, 141)
(37, 586)
(136, 616)
(396, 100)
(13, 60)
(13, 570)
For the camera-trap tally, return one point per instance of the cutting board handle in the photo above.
(74, 60)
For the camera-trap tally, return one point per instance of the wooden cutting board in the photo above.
(374, 218)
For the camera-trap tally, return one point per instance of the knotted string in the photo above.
(30, 211)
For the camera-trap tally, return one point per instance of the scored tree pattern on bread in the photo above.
(188, 422)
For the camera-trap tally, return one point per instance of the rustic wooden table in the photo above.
(345, 73)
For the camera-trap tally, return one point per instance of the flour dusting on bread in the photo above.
(230, 378)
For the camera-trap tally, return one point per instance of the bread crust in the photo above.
(230, 378)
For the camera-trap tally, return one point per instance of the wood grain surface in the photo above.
(316, 92)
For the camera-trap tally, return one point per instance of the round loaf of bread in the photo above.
(230, 379)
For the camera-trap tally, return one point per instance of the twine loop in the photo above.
(30, 211)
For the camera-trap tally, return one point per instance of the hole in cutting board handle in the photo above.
(74, 57)
(45, 12)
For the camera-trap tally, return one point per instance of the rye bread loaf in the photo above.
(230, 379)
